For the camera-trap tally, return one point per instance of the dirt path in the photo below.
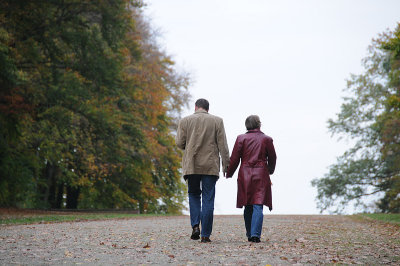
(161, 240)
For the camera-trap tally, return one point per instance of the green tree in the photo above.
(67, 55)
(371, 116)
(88, 107)
(16, 166)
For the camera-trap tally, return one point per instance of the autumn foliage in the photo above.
(87, 109)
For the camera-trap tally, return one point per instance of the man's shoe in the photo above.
(195, 233)
(205, 239)
(249, 239)
(255, 239)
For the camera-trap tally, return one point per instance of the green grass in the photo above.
(393, 218)
(54, 218)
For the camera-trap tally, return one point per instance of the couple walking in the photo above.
(202, 137)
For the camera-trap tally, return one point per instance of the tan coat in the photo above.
(202, 137)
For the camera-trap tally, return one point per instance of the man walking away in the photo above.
(202, 137)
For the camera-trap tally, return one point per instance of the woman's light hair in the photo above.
(252, 122)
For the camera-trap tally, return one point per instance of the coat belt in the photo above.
(258, 164)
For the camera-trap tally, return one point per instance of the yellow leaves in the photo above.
(82, 181)
(126, 55)
(4, 35)
(167, 60)
(394, 101)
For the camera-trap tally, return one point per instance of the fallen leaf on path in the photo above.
(67, 254)
(146, 246)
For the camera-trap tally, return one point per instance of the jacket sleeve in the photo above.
(271, 156)
(180, 139)
(223, 145)
(235, 158)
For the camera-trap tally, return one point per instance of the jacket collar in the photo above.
(254, 130)
(201, 111)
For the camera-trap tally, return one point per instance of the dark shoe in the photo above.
(195, 233)
(255, 239)
(205, 239)
(249, 239)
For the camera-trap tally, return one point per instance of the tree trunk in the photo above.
(49, 176)
(59, 198)
(55, 190)
(72, 197)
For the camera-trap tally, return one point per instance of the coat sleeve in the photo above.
(235, 158)
(180, 139)
(223, 145)
(271, 156)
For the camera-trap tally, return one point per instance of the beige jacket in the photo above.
(202, 137)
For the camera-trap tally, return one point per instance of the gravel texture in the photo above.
(290, 239)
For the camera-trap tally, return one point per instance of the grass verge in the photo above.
(54, 218)
(393, 218)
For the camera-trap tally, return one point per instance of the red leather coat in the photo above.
(257, 154)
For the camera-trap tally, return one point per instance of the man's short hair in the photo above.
(252, 122)
(202, 103)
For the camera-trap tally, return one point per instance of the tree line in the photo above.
(88, 107)
(370, 115)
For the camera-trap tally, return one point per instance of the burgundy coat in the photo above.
(256, 152)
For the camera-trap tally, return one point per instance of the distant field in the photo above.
(27, 216)
(24, 216)
(393, 218)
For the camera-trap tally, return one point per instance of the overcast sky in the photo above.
(286, 61)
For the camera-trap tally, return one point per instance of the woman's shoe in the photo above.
(205, 239)
(255, 239)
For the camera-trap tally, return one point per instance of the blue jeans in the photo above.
(202, 212)
(253, 220)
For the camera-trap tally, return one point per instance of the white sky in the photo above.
(286, 61)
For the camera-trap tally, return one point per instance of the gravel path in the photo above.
(287, 239)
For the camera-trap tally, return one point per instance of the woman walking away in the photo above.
(257, 154)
